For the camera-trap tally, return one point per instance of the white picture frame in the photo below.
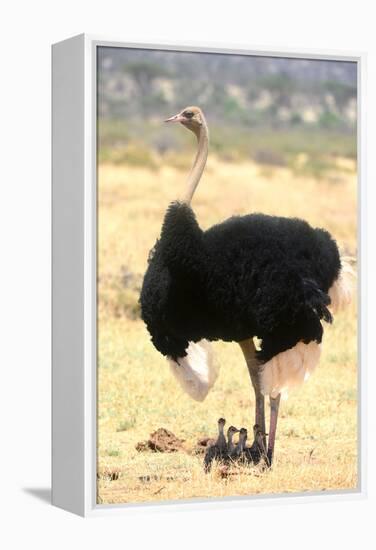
(74, 357)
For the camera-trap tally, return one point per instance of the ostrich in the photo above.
(219, 449)
(257, 450)
(230, 445)
(239, 449)
(250, 276)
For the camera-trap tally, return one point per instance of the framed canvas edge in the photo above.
(67, 199)
(89, 465)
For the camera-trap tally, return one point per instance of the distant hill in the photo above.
(234, 90)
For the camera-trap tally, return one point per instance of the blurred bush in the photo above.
(268, 109)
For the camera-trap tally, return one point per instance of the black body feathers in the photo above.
(253, 275)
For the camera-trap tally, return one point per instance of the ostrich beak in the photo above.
(175, 118)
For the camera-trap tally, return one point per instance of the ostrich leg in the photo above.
(249, 352)
(274, 406)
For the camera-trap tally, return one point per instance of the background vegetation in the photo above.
(264, 109)
(293, 155)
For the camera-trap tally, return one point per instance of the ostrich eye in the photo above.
(188, 114)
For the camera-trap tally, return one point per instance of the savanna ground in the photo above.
(316, 447)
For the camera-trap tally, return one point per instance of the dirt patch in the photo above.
(202, 445)
(161, 441)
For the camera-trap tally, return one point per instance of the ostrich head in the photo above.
(192, 118)
(230, 433)
(243, 433)
(221, 426)
(257, 431)
(242, 438)
(232, 430)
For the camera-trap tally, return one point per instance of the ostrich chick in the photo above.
(257, 450)
(230, 445)
(218, 451)
(239, 449)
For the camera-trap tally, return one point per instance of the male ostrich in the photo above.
(251, 276)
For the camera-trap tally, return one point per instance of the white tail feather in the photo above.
(289, 369)
(340, 293)
(197, 371)
(294, 366)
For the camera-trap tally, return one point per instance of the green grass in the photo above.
(127, 425)
(153, 146)
(113, 452)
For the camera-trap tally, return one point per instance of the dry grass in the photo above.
(316, 441)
